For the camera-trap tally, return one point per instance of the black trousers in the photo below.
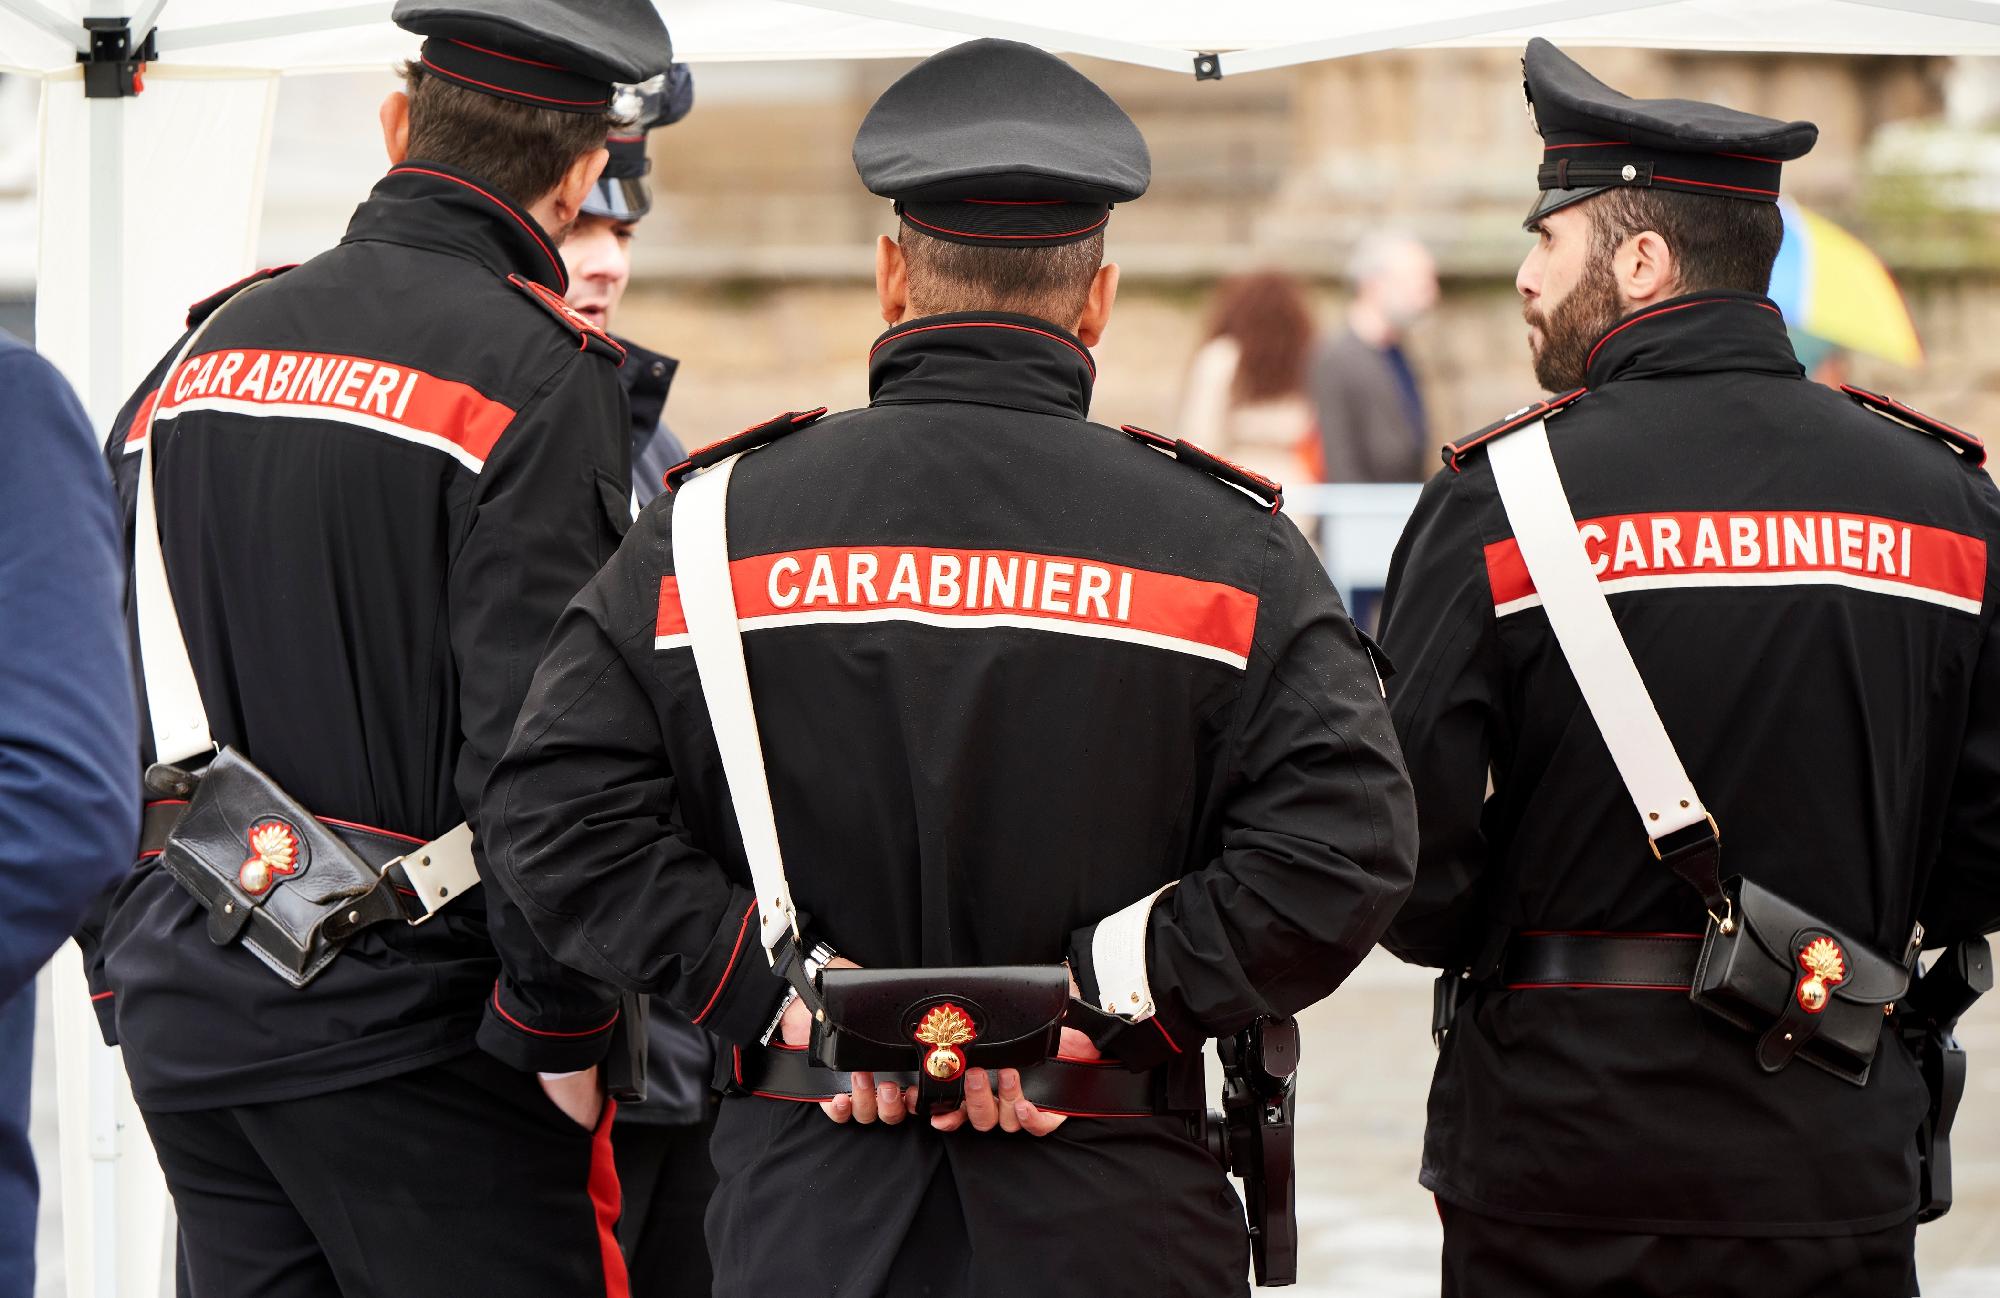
(1485, 1257)
(667, 1178)
(460, 1180)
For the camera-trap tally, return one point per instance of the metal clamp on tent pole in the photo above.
(112, 67)
(1208, 67)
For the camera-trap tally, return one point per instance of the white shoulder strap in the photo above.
(708, 601)
(173, 698)
(1545, 528)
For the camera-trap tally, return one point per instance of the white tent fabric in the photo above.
(148, 203)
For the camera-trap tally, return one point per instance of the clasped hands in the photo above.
(993, 1097)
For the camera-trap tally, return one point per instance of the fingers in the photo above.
(981, 1109)
(1010, 1097)
(891, 1105)
(840, 1108)
(948, 1121)
(1033, 1121)
(863, 1097)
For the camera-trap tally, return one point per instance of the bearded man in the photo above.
(1790, 601)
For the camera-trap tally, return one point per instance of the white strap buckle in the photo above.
(440, 872)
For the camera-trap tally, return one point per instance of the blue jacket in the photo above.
(69, 788)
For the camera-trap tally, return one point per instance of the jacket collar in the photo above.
(989, 358)
(647, 376)
(437, 207)
(1699, 333)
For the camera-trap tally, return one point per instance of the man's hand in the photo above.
(867, 1102)
(576, 1094)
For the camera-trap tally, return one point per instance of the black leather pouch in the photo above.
(1808, 990)
(269, 875)
(939, 1022)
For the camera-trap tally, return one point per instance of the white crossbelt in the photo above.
(439, 870)
(708, 603)
(1544, 526)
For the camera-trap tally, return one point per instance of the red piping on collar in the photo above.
(511, 58)
(988, 324)
(562, 275)
(1666, 310)
(513, 92)
(974, 234)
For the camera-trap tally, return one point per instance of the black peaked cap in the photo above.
(555, 54)
(998, 142)
(1596, 138)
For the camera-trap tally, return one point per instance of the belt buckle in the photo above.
(423, 870)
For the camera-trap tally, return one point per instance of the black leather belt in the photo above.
(1078, 1089)
(1660, 961)
(378, 847)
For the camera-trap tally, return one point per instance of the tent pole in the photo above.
(1099, 47)
(1442, 29)
(64, 28)
(257, 29)
(107, 258)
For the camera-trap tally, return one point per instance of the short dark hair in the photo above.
(1050, 283)
(1717, 242)
(520, 150)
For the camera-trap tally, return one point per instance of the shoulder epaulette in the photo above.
(1259, 488)
(205, 308)
(1958, 439)
(749, 439)
(1519, 419)
(592, 339)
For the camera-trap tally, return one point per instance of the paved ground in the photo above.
(1367, 1229)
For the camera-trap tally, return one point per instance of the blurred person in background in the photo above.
(1246, 388)
(598, 256)
(1364, 390)
(69, 808)
(660, 1144)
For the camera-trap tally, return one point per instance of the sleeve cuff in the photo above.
(746, 993)
(106, 1007)
(511, 1033)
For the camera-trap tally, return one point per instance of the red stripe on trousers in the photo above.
(605, 1197)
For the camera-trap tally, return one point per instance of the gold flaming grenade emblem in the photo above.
(944, 1028)
(274, 852)
(1825, 965)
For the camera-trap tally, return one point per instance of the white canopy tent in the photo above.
(149, 202)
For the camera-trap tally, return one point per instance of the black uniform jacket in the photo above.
(1014, 671)
(680, 1057)
(380, 477)
(1809, 591)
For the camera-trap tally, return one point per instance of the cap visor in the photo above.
(620, 200)
(1554, 200)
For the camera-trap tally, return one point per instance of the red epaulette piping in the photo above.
(750, 438)
(1263, 490)
(1520, 418)
(1966, 444)
(588, 333)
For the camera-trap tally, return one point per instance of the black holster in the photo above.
(1927, 1024)
(1252, 1136)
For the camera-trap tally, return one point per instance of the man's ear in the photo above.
(1097, 307)
(573, 190)
(395, 115)
(1645, 270)
(892, 280)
